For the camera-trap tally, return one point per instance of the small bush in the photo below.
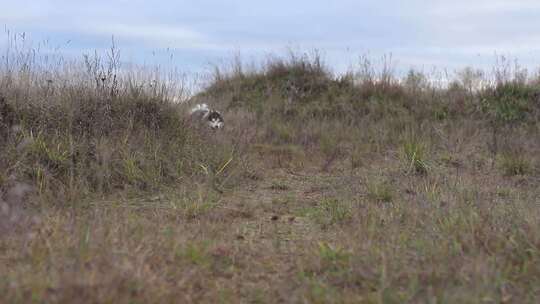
(509, 102)
(514, 164)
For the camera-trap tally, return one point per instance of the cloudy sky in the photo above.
(418, 33)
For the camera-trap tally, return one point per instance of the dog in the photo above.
(213, 119)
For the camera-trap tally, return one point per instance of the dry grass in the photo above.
(361, 188)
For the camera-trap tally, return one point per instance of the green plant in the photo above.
(414, 154)
(333, 257)
(379, 190)
(194, 205)
(54, 154)
(509, 102)
(282, 132)
(196, 254)
(506, 109)
(330, 147)
(330, 212)
(279, 185)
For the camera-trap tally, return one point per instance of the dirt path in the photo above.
(274, 228)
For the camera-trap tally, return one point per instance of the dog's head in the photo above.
(215, 120)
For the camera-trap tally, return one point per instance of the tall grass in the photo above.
(299, 100)
(91, 126)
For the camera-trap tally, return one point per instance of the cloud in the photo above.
(155, 35)
(439, 31)
(481, 7)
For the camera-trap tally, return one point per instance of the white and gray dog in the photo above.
(212, 118)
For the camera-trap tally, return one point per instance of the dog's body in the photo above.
(212, 118)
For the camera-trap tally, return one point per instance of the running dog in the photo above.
(212, 118)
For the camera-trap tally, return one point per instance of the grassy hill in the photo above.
(363, 187)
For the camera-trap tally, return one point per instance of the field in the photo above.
(362, 187)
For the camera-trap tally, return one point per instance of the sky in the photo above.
(193, 35)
